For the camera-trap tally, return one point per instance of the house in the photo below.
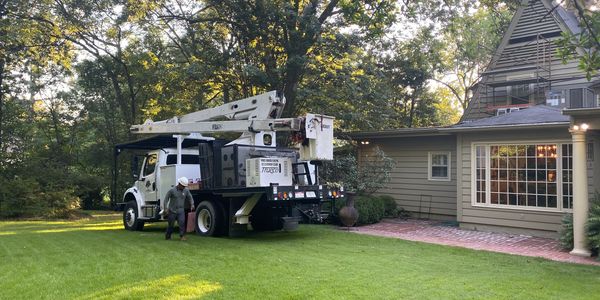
(527, 150)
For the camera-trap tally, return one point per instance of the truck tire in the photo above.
(131, 219)
(210, 220)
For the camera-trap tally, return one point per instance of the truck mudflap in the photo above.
(304, 193)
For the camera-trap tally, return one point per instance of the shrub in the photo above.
(371, 209)
(593, 224)
(372, 174)
(593, 227)
(26, 197)
(391, 207)
(566, 232)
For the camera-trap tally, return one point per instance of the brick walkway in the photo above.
(438, 233)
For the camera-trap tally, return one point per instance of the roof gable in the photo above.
(533, 19)
(526, 52)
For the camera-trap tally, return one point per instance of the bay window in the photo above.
(523, 175)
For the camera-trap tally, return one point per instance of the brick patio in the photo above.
(438, 233)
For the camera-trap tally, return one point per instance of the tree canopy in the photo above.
(76, 74)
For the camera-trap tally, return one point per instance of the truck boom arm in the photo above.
(257, 118)
(260, 107)
(286, 124)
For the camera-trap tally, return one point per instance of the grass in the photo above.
(97, 259)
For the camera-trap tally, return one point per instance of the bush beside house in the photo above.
(593, 227)
(373, 174)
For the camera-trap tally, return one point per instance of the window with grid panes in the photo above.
(523, 175)
(567, 175)
(439, 166)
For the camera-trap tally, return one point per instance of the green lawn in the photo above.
(97, 259)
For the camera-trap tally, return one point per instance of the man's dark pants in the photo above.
(180, 217)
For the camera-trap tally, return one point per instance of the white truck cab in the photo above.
(157, 175)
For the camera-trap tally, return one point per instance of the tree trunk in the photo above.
(1, 113)
(3, 13)
(411, 115)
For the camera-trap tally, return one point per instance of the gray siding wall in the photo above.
(409, 183)
(528, 221)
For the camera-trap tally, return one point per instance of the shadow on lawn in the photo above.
(113, 223)
(249, 236)
(170, 287)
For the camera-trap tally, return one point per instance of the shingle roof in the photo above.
(569, 18)
(535, 115)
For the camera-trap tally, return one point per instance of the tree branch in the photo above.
(581, 13)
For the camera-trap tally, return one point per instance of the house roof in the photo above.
(540, 116)
(393, 133)
(536, 116)
(569, 19)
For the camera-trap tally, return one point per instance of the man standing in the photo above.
(174, 207)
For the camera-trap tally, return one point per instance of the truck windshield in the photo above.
(186, 159)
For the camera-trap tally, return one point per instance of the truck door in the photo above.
(147, 181)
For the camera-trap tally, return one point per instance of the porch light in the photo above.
(581, 128)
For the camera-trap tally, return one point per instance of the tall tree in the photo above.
(28, 46)
(585, 44)
(273, 41)
(468, 50)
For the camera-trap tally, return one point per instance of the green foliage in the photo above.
(566, 232)
(26, 197)
(593, 224)
(593, 227)
(371, 209)
(391, 207)
(584, 45)
(146, 59)
(467, 49)
(366, 177)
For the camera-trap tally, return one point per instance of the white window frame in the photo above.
(430, 166)
(487, 204)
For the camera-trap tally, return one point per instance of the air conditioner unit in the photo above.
(513, 109)
(501, 111)
(555, 98)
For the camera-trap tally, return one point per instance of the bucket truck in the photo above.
(247, 183)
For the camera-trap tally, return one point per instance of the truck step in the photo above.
(149, 211)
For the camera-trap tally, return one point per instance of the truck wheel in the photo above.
(131, 219)
(209, 219)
